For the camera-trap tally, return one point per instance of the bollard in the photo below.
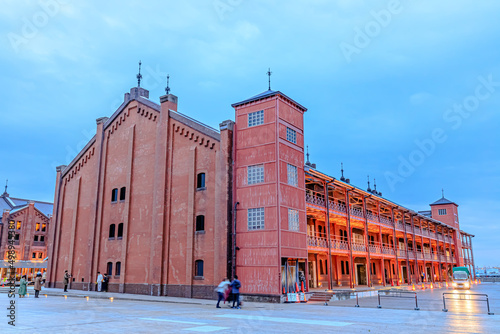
(444, 305)
(357, 302)
(416, 303)
(379, 306)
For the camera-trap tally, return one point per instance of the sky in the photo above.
(407, 92)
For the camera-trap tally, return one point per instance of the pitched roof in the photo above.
(443, 201)
(266, 94)
(15, 204)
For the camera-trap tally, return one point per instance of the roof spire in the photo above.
(342, 178)
(374, 185)
(167, 89)
(5, 192)
(369, 189)
(139, 76)
(269, 75)
(442, 192)
(307, 162)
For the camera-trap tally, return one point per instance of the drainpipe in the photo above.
(234, 238)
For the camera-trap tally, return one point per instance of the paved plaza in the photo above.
(54, 313)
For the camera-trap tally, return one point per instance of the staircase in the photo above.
(321, 296)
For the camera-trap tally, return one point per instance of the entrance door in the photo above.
(361, 274)
(404, 271)
(312, 274)
(428, 277)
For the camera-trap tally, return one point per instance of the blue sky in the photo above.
(407, 92)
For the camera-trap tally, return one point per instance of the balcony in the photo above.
(386, 221)
(356, 213)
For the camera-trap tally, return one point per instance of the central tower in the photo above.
(270, 188)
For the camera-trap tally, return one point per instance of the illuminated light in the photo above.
(111, 299)
(454, 284)
(446, 284)
(45, 296)
(65, 297)
(28, 294)
(87, 297)
(423, 286)
(413, 287)
(432, 286)
(479, 281)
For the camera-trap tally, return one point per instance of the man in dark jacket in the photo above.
(66, 280)
(38, 284)
(235, 286)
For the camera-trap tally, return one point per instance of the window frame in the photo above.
(255, 118)
(123, 194)
(201, 181)
(256, 216)
(200, 222)
(112, 228)
(119, 232)
(255, 174)
(292, 175)
(197, 265)
(293, 220)
(118, 268)
(291, 135)
(109, 268)
(114, 195)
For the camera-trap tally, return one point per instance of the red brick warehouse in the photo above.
(169, 206)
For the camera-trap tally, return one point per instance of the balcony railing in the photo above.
(315, 241)
(358, 247)
(340, 245)
(356, 212)
(386, 221)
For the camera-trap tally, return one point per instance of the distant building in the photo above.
(169, 206)
(29, 221)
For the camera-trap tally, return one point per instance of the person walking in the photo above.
(105, 281)
(235, 286)
(22, 287)
(38, 284)
(99, 281)
(221, 291)
(66, 280)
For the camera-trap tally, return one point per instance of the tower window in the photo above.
(44, 227)
(37, 227)
(293, 220)
(292, 175)
(200, 223)
(120, 231)
(291, 135)
(256, 118)
(198, 268)
(112, 228)
(256, 219)
(114, 195)
(123, 191)
(441, 212)
(200, 181)
(255, 174)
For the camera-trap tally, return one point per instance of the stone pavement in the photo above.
(126, 313)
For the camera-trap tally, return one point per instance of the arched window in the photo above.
(114, 195)
(123, 191)
(198, 268)
(112, 231)
(200, 223)
(118, 268)
(109, 268)
(200, 181)
(120, 231)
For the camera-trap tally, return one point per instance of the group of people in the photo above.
(228, 291)
(102, 282)
(23, 285)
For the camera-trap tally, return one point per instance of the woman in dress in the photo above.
(22, 287)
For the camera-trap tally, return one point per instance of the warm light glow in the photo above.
(111, 299)
(65, 297)
(45, 296)
(432, 286)
(87, 297)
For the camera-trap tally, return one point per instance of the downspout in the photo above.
(234, 238)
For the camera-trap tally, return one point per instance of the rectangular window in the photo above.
(342, 267)
(441, 212)
(33, 256)
(37, 228)
(44, 227)
(256, 219)
(255, 174)
(293, 220)
(256, 118)
(292, 175)
(40, 255)
(18, 225)
(347, 267)
(36, 238)
(291, 135)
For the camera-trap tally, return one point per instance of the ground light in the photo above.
(87, 297)
(111, 299)
(65, 297)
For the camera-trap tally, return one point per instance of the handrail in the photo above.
(399, 294)
(467, 294)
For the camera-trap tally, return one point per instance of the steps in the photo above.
(321, 296)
